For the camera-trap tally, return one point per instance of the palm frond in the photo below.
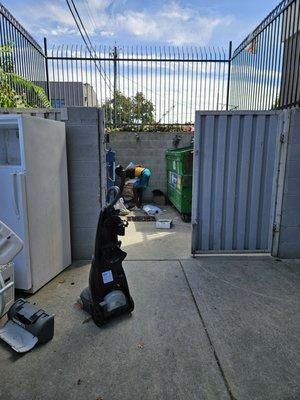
(29, 86)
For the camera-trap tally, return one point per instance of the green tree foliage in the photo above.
(11, 84)
(124, 111)
(143, 109)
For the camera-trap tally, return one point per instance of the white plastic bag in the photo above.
(150, 209)
(121, 206)
(130, 165)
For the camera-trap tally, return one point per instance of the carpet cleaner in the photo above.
(108, 294)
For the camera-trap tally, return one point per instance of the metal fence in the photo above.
(26, 58)
(142, 87)
(265, 68)
(157, 88)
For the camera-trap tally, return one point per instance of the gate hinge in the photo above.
(275, 228)
(282, 138)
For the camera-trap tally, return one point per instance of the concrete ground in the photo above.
(143, 241)
(206, 328)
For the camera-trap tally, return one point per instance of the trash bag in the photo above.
(121, 206)
(150, 209)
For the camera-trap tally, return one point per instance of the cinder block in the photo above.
(80, 200)
(84, 168)
(294, 152)
(290, 234)
(82, 252)
(85, 219)
(88, 184)
(82, 134)
(84, 235)
(82, 114)
(293, 169)
(289, 250)
(83, 152)
(293, 185)
(295, 136)
(291, 211)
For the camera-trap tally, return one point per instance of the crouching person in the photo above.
(141, 175)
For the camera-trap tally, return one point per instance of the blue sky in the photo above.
(131, 22)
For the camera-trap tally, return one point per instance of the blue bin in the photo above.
(110, 168)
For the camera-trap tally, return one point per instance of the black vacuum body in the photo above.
(108, 294)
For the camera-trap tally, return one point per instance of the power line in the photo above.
(100, 69)
(88, 42)
(89, 11)
(94, 25)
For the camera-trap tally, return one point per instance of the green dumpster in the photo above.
(179, 179)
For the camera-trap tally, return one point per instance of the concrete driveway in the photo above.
(206, 328)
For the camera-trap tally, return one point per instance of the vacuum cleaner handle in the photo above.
(114, 190)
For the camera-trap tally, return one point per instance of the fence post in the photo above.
(115, 57)
(229, 73)
(46, 69)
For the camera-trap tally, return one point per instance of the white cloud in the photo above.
(59, 31)
(139, 24)
(174, 11)
(107, 33)
(172, 23)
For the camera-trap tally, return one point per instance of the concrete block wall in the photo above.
(148, 149)
(83, 133)
(82, 128)
(289, 234)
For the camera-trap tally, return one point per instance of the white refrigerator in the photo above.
(34, 196)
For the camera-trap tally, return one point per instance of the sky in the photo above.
(136, 22)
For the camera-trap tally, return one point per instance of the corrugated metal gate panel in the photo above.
(234, 164)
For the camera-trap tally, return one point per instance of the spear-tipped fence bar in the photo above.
(154, 87)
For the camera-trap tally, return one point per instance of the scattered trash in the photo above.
(78, 305)
(141, 345)
(150, 209)
(164, 224)
(27, 325)
(62, 280)
(127, 192)
(79, 382)
(86, 320)
(130, 165)
(141, 218)
(99, 398)
(121, 206)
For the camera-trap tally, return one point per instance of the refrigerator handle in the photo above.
(14, 194)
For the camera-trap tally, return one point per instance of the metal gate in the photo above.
(234, 163)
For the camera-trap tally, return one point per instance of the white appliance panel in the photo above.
(13, 212)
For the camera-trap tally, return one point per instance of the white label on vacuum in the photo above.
(107, 276)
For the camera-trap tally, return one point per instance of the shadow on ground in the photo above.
(143, 241)
(206, 328)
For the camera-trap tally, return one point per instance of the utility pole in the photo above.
(115, 58)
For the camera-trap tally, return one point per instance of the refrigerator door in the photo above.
(13, 212)
(46, 197)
